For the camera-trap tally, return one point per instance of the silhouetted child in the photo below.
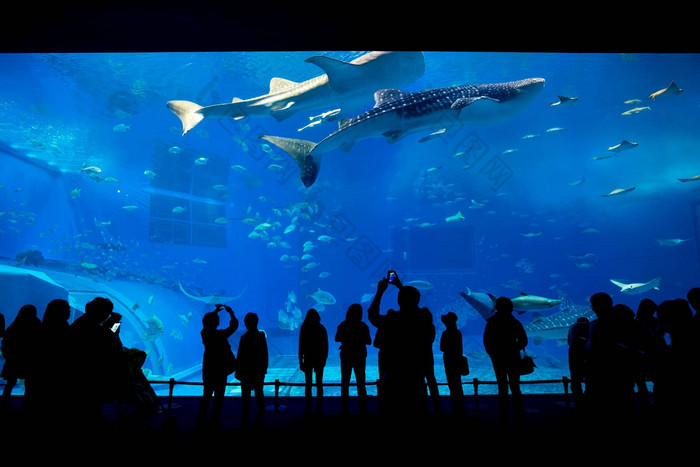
(354, 337)
(313, 353)
(252, 367)
(451, 347)
(217, 363)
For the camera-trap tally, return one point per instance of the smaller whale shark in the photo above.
(349, 85)
(638, 288)
(397, 114)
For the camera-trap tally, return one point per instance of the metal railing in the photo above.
(278, 384)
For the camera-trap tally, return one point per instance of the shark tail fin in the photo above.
(187, 112)
(300, 150)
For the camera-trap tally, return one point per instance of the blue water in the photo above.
(530, 230)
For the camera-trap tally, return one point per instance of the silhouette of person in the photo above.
(405, 334)
(19, 347)
(626, 359)
(677, 377)
(217, 363)
(452, 351)
(599, 348)
(2, 325)
(252, 367)
(504, 339)
(52, 384)
(354, 337)
(95, 361)
(646, 335)
(313, 354)
(429, 361)
(693, 297)
(577, 338)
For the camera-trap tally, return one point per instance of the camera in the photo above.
(391, 276)
(115, 326)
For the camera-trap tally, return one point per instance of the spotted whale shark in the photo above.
(348, 85)
(397, 114)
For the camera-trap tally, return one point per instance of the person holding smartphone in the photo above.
(406, 334)
(215, 363)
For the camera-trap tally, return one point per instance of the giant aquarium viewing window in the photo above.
(276, 182)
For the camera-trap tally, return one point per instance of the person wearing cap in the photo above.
(451, 347)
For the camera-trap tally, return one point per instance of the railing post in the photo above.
(476, 394)
(277, 395)
(171, 389)
(565, 380)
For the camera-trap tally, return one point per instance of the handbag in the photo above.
(463, 365)
(526, 365)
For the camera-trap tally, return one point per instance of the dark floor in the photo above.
(550, 433)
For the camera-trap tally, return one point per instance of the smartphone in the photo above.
(115, 326)
(392, 276)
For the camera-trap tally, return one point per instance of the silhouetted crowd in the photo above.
(614, 358)
(622, 363)
(71, 369)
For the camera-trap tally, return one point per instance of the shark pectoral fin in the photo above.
(463, 102)
(299, 150)
(187, 112)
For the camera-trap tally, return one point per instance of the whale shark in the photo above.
(397, 114)
(556, 325)
(348, 85)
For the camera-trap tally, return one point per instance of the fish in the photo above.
(694, 178)
(531, 234)
(604, 156)
(214, 298)
(564, 101)
(130, 208)
(525, 302)
(397, 114)
(419, 284)
(75, 193)
(456, 217)
(90, 168)
(578, 182)
(179, 209)
(671, 90)
(671, 241)
(623, 146)
(636, 110)
(638, 288)
(633, 101)
(323, 297)
(121, 128)
(346, 84)
(618, 191)
(149, 173)
(201, 160)
(556, 325)
(484, 304)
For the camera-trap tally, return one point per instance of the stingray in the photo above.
(214, 298)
